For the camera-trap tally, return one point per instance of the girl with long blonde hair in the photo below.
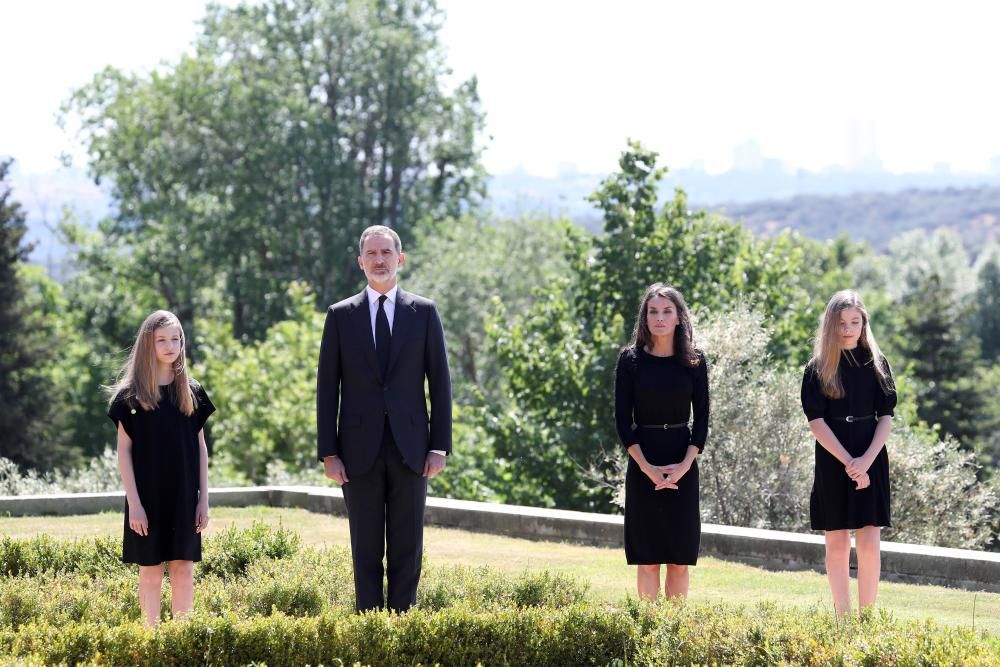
(848, 396)
(160, 413)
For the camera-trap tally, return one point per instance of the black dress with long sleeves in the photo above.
(835, 502)
(165, 460)
(661, 526)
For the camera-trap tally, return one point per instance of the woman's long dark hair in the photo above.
(684, 348)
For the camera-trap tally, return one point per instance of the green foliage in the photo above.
(578, 634)
(914, 258)
(262, 155)
(944, 359)
(937, 497)
(265, 389)
(932, 306)
(989, 385)
(232, 551)
(768, 634)
(473, 472)
(986, 319)
(464, 263)
(256, 571)
(711, 260)
(282, 604)
(558, 357)
(94, 315)
(481, 588)
(556, 420)
(100, 475)
(44, 555)
(227, 554)
(757, 469)
(30, 422)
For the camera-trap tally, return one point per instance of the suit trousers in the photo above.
(385, 512)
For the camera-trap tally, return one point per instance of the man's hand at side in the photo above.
(334, 469)
(434, 464)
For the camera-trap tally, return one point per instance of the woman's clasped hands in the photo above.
(857, 470)
(666, 477)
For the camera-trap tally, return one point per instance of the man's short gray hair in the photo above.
(379, 230)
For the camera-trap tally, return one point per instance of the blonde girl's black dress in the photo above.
(165, 458)
(650, 392)
(835, 502)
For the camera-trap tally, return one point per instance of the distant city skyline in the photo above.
(906, 86)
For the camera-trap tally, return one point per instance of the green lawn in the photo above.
(605, 569)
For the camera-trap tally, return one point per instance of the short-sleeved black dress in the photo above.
(661, 526)
(165, 460)
(835, 502)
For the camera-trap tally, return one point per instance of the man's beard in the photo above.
(385, 277)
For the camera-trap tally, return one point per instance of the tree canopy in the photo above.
(261, 156)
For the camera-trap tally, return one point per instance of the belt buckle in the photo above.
(666, 426)
(849, 419)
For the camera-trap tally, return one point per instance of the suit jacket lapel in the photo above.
(400, 325)
(363, 328)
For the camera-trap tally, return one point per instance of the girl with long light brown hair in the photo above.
(160, 413)
(848, 396)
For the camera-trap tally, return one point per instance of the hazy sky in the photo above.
(565, 82)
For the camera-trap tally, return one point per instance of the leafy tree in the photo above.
(464, 263)
(558, 357)
(917, 255)
(261, 157)
(986, 319)
(711, 260)
(97, 312)
(943, 359)
(267, 389)
(31, 416)
(556, 419)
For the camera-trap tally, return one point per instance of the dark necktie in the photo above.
(382, 336)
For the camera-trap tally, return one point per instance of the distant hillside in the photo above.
(878, 216)
(907, 201)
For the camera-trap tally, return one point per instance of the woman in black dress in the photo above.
(659, 381)
(159, 412)
(848, 396)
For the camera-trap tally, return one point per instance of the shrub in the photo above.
(483, 588)
(266, 600)
(230, 553)
(100, 475)
(577, 634)
(45, 555)
(757, 467)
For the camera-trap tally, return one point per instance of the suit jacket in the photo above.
(349, 384)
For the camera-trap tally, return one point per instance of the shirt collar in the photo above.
(373, 295)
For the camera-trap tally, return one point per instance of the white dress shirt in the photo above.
(389, 307)
(390, 312)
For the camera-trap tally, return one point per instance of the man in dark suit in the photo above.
(378, 348)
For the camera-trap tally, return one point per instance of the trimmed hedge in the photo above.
(229, 553)
(263, 598)
(578, 634)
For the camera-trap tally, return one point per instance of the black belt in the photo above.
(851, 418)
(665, 426)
